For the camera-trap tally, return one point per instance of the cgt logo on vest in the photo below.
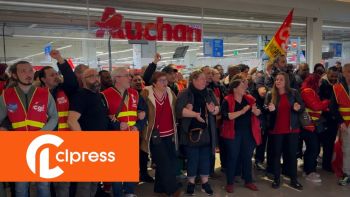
(112, 22)
(61, 156)
(69, 156)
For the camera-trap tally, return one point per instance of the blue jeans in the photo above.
(22, 189)
(119, 188)
(198, 161)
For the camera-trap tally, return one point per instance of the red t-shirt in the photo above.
(282, 124)
(164, 116)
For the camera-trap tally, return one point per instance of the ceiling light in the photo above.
(115, 52)
(345, 1)
(36, 54)
(55, 6)
(67, 38)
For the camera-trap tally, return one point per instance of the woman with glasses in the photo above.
(159, 135)
(240, 130)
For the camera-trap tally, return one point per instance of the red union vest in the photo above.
(62, 105)
(343, 101)
(128, 112)
(315, 115)
(32, 119)
(228, 126)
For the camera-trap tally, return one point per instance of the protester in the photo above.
(330, 126)
(62, 92)
(83, 117)
(125, 107)
(314, 107)
(106, 80)
(284, 106)
(302, 73)
(342, 104)
(20, 105)
(78, 71)
(159, 137)
(196, 107)
(240, 136)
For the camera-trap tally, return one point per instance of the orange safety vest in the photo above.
(128, 112)
(181, 85)
(315, 115)
(62, 105)
(32, 119)
(343, 101)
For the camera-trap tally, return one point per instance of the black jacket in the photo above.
(186, 97)
(70, 83)
(268, 81)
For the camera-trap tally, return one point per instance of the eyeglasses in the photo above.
(92, 76)
(162, 80)
(123, 75)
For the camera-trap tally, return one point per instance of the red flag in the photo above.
(279, 43)
(337, 161)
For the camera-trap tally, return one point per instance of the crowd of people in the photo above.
(243, 115)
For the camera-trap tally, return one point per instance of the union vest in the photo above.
(128, 112)
(32, 119)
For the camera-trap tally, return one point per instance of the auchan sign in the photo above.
(112, 22)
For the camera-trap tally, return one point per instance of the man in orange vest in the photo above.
(123, 106)
(341, 92)
(28, 108)
(61, 92)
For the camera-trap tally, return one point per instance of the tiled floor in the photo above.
(328, 187)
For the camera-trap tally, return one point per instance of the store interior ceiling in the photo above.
(30, 25)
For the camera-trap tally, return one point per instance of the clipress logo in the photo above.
(69, 156)
(45, 171)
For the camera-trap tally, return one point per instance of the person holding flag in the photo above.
(276, 50)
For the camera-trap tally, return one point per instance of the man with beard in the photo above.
(106, 80)
(330, 126)
(137, 82)
(279, 65)
(28, 108)
(62, 93)
(124, 106)
(88, 113)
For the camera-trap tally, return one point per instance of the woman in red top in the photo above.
(284, 106)
(314, 106)
(159, 136)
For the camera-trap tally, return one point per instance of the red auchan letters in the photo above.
(112, 22)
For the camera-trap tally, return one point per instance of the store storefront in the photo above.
(81, 32)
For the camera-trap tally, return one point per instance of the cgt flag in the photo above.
(279, 43)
